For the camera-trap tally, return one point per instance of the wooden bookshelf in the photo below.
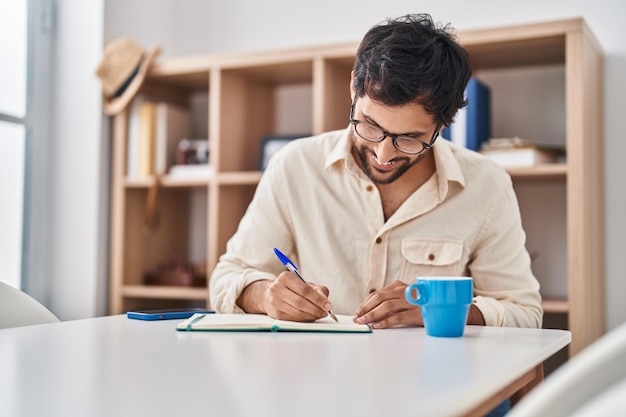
(242, 108)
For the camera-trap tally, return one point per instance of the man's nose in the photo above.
(385, 150)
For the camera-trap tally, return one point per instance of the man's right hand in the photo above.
(286, 298)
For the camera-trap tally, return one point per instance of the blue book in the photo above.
(472, 124)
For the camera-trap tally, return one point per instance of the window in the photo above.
(13, 135)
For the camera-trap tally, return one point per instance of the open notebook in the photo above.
(260, 322)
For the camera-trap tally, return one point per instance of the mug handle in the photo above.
(422, 294)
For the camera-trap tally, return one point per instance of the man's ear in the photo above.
(351, 86)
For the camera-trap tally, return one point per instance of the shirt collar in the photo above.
(448, 168)
(341, 150)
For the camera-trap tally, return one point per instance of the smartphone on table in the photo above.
(166, 313)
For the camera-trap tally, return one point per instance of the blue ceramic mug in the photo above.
(445, 303)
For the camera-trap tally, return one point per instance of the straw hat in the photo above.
(122, 70)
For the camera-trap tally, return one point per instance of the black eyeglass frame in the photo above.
(394, 137)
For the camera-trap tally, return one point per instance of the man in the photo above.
(366, 210)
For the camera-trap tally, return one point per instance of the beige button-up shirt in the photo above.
(316, 205)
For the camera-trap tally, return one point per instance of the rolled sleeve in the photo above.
(226, 289)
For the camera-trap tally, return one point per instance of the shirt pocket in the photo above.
(431, 257)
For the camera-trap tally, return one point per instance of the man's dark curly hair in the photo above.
(412, 60)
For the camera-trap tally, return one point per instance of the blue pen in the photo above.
(294, 269)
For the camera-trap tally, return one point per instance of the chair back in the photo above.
(595, 370)
(20, 309)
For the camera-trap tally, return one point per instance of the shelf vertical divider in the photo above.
(585, 187)
(215, 131)
(118, 190)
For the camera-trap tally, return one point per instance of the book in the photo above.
(261, 322)
(516, 152)
(147, 121)
(472, 123)
(132, 149)
(172, 125)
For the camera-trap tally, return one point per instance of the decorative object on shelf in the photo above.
(472, 123)
(272, 144)
(177, 273)
(192, 151)
(192, 160)
(122, 70)
(516, 152)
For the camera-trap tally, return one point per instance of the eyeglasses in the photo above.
(403, 143)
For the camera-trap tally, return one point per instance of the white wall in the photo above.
(71, 271)
(79, 240)
(186, 27)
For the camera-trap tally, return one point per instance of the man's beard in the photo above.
(404, 164)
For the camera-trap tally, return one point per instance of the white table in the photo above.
(114, 366)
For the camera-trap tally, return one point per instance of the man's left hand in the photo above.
(387, 307)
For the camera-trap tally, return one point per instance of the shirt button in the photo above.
(369, 188)
(378, 240)
(431, 256)
(372, 290)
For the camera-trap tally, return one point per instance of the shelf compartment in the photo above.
(248, 112)
(517, 53)
(144, 250)
(541, 43)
